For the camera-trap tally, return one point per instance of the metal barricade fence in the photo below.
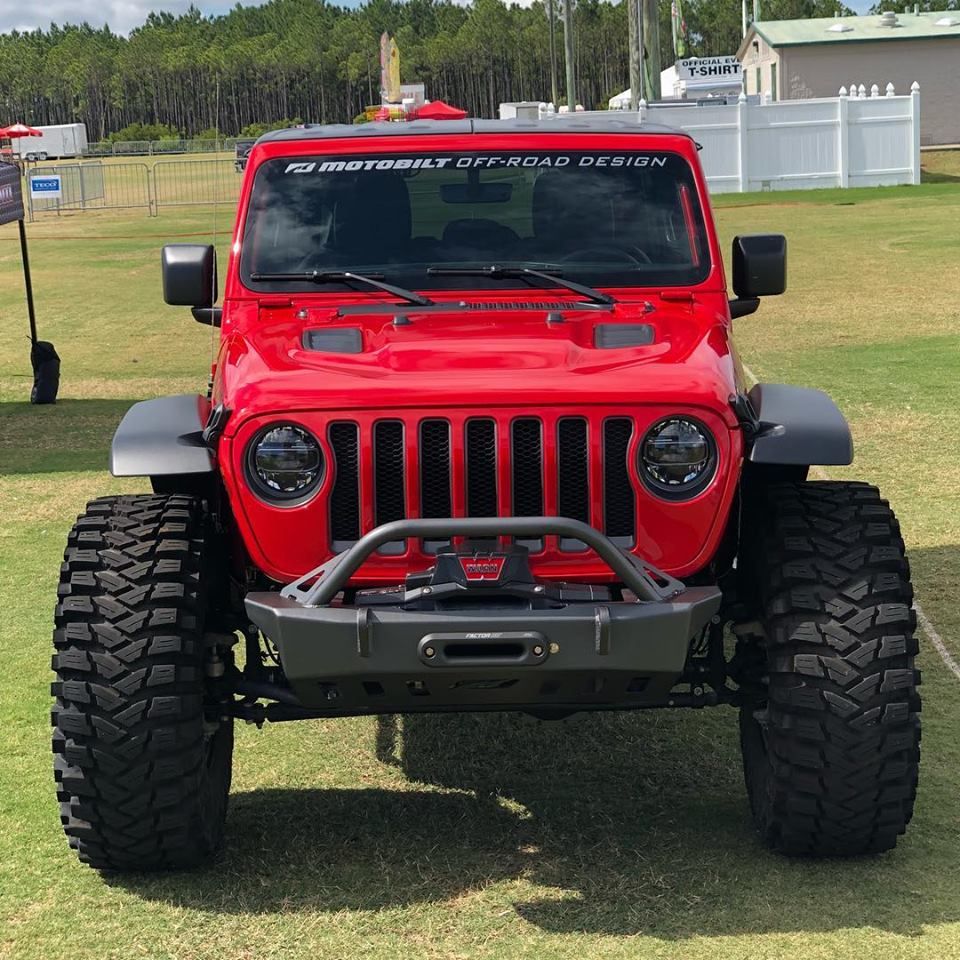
(108, 185)
(180, 183)
(94, 186)
(152, 148)
(80, 184)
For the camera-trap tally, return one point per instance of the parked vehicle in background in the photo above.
(242, 152)
(478, 438)
(63, 141)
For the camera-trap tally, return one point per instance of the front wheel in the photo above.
(831, 752)
(142, 759)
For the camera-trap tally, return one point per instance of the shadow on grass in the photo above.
(606, 825)
(68, 436)
(937, 176)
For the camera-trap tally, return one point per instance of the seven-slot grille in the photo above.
(484, 467)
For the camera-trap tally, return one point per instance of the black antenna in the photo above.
(216, 208)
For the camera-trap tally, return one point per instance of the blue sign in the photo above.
(46, 188)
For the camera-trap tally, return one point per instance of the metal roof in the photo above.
(568, 125)
(909, 26)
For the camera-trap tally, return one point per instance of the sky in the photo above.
(123, 15)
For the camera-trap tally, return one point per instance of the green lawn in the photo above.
(490, 836)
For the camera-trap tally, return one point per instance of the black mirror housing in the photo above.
(211, 316)
(759, 265)
(743, 308)
(189, 275)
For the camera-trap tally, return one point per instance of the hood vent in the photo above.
(369, 309)
(335, 340)
(524, 305)
(610, 336)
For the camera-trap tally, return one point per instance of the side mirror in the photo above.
(759, 265)
(189, 275)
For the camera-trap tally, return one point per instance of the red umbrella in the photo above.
(19, 130)
(438, 110)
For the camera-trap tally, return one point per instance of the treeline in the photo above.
(320, 62)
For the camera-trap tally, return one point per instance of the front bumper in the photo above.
(483, 647)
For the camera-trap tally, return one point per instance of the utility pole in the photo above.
(552, 20)
(641, 56)
(636, 56)
(568, 53)
(651, 38)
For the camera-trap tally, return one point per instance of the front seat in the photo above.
(572, 210)
(371, 220)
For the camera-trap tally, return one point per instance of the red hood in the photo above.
(471, 358)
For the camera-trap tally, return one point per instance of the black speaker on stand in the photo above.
(43, 356)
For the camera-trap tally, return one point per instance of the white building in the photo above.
(803, 59)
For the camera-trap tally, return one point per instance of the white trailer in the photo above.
(59, 142)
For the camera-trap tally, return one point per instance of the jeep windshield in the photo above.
(438, 221)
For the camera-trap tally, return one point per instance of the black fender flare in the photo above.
(163, 437)
(797, 426)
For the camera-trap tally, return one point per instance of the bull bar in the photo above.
(521, 645)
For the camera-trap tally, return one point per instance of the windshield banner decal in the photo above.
(358, 164)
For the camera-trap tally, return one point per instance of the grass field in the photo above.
(490, 837)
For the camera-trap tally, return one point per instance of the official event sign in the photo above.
(11, 194)
(46, 188)
(709, 68)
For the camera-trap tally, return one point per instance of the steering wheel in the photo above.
(634, 255)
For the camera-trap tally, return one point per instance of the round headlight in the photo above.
(677, 458)
(285, 463)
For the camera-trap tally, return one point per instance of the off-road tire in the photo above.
(831, 754)
(142, 766)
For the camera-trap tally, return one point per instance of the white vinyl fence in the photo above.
(853, 140)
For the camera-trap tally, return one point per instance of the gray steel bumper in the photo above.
(354, 660)
(482, 651)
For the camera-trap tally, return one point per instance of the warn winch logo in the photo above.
(476, 569)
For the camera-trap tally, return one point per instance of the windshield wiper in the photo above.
(344, 276)
(496, 271)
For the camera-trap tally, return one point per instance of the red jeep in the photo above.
(478, 438)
